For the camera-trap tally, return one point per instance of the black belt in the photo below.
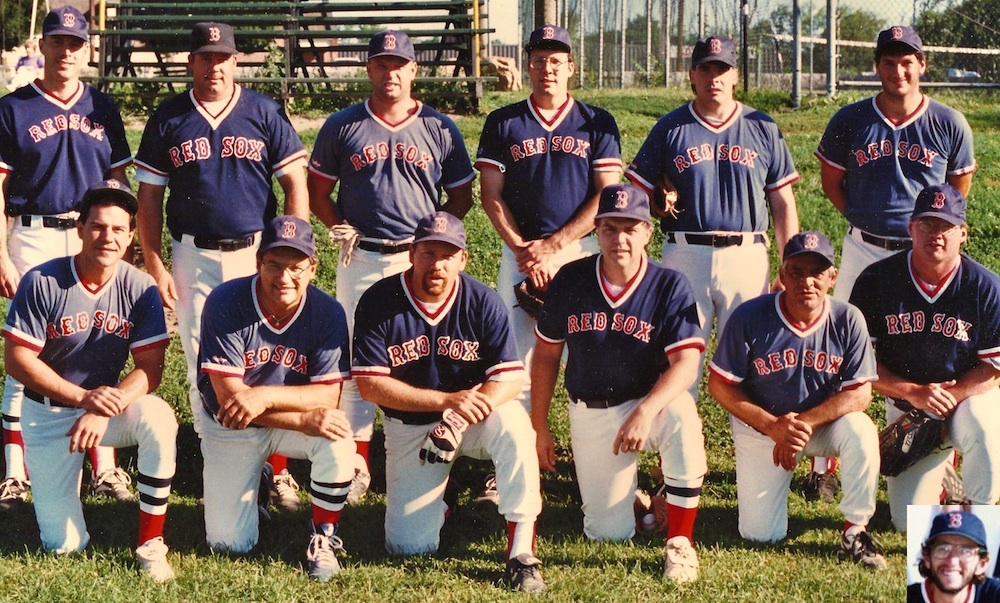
(384, 248)
(884, 242)
(714, 240)
(203, 242)
(600, 403)
(50, 222)
(37, 397)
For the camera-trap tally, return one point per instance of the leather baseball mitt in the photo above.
(528, 298)
(910, 438)
(663, 203)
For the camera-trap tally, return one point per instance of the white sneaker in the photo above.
(152, 559)
(680, 560)
(321, 554)
(114, 484)
(284, 491)
(361, 482)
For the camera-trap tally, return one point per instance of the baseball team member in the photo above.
(633, 336)
(934, 317)
(953, 560)
(216, 146)
(433, 348)
(543, 163)
(72, 325)
(729, 164)
(274, 352)
(393, 156)
(878, 154)
(794, 370)
(57, 137)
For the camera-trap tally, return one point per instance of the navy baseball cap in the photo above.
(288, 231)
(810, 241)
(213, 37)
(113, 190)
(391, 43)
(714, 49)
(549, 37)
(623, 201)
(940, 201)
(898, 36)
(958, 523)
(65, 21)
(440, 226)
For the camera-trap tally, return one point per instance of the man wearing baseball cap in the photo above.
(44, 172)
(433, 348)
(397, 160)
(72, 326)
(934, 316)
(954, 559)
(631, 328)
(274, 353)
(794, 370)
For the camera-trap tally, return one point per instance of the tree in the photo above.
(15, 17)
(969, 24)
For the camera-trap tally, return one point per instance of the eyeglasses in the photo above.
(295, 272)
(540, 63)
(963, 551)
(935, 227)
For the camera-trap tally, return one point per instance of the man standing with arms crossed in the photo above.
(879, 153)
(57, 137)
(392, 156)
(216, 146)
(729, 164)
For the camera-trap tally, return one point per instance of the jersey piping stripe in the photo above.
(560, 116)
(811, 327)
(370, 371)
(284, 165)
(832, 164)
(483, 162)
(789, 179)
(330, 378)
(150, 343)
(718, 128)
(691, 342)
(909, 119)
(412, 117)
(263, 317)
(216, 120)
(315, 172)
(504, 371)
(468, 178)
(935, 294)
(64, 104)
(123, 163)
(21, 338)
(96, 293)
(606, 164)
(639, 181)
(539, 335)
(435, 318)
(212, 368)
(6, 168)
(725, 375)
(630, 287)
(857, 382)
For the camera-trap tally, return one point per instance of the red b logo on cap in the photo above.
(812, 241)
(69, 19)
(214, 35)
(287, 230)
(114, 184)
(621, 200)
(938, 202)
(897, 33)
(440, 224)
(548, 33)
(390, 42)
(955, 520)
(715, 45)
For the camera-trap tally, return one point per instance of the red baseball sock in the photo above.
(150, 526)
(521, 538)
(362, 449)
(680, 521)
(321, 516)
(279, 462)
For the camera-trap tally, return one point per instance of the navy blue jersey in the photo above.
(784, 369)
(237, 340)
(390, 175)
(86, 336)
(987, 592)
(887, 165)
(722, 172)
(930, 336)
(53, 149)
(465, 342)
(219, 167)
(548, 166)
(618, 344)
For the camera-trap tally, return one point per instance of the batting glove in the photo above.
(347, 237)
(443, 441)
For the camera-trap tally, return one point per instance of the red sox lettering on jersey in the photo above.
(83, 321)
(419, 347)
(916, 322)
(63, 122)
(200, 149)
(374, 153)
(789, 358)
(530, 147)
(904, 150)
(598, 321)
(707, 152)
(287, 357)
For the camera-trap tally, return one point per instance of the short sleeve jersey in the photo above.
(722, 172)
(238, 340)
(465, 342)
(886, 165)
(218, 167)
(53, 149)
(618, 344)
(548, 165)
(986, 592)
(390, 175)
(86, 336)
(783, 368)
(929, 335)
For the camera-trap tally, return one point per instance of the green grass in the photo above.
(802, 568)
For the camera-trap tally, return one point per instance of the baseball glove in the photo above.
(528, 298)
(663, 203)
(910, 438)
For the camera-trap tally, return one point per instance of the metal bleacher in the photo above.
(290, 48)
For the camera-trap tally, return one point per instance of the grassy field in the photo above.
(802, 568)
